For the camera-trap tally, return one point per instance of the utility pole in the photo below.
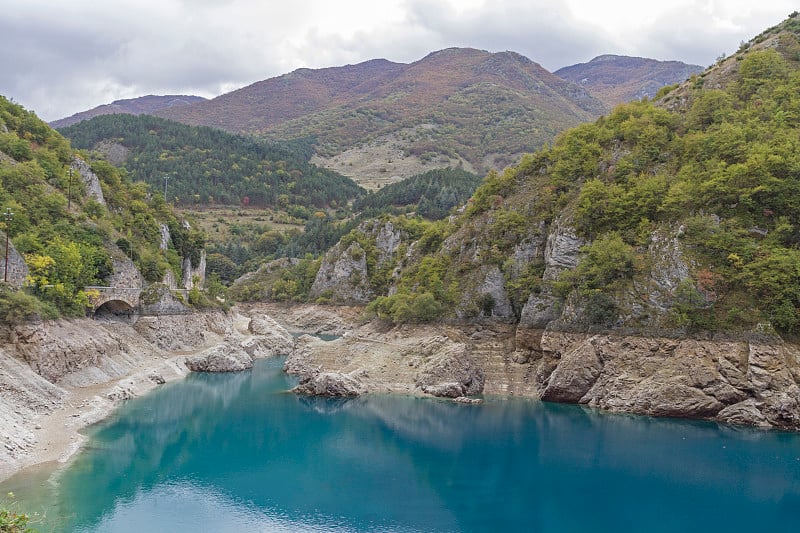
(8, 216)
(69, 190)
(166, 178)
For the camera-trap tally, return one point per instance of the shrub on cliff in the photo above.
(19, 306)
(405, 307)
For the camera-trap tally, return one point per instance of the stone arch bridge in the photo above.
(114, 300)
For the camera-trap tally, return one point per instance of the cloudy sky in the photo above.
(60, 57)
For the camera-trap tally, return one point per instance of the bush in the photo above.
(18, 306)
(12, 521)
(402, 308)
(606, 261)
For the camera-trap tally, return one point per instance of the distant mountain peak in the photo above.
(133, 106)
(456, 106)
(616, 79)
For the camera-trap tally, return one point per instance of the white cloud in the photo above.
(59, 58)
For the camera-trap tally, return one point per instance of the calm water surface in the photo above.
(235, 452)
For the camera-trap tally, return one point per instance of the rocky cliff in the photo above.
(739, 381)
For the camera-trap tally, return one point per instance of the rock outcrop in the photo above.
(446, 369)
(57, 377)
(222, 358)
(745, 382)
(404, 359)
(342, 276)
(269, 337)
(331, 384)
(89, 179)
(741, 381)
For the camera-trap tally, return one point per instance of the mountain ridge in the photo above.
(424, 109)
(133, 106)
(616, 79)
(379, 121)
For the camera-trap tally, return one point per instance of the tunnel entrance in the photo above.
(115, 310)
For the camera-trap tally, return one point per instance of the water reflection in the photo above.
(239, 446)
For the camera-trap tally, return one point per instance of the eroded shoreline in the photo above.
(91, 366)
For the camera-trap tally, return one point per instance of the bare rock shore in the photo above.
(56, 378)
(59, 377)
(752, 381)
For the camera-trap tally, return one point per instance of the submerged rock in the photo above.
(468, 401)
(222, 358)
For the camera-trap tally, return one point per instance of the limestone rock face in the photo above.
(126, 275)
(187, 335)
(17, 268)
(221, 358)
(25, 395)
(575, 374)
(387, 241)
(562, 250)
(741, 382)
(332, 384)
(89, 179)
(448, 370)
(165, 237)
(539, 310)
(669, 269)
(488, 298)
(56, 349)
(406, 359)
(319, 321)
(158, 299)
(342, 276)
(192, 275)
(560, 253)
(743, 413)
(270, 338)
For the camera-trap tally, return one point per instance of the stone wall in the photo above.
(17, 269)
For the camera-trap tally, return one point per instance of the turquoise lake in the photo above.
(236, 452)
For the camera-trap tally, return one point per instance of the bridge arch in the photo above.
(114, 306)
(115, 309)
(114, 302)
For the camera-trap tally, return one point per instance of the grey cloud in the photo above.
(545, 31)
(63, 57)
(693, 36)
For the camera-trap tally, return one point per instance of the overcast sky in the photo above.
(60, 57)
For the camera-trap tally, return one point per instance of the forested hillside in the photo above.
(68, 238)
(205, 166)
(678, 214)
(617, 79)
(134, 106)
(455, 105)
(431, 195)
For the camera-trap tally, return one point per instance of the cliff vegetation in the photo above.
(679, 213)
(71, 219)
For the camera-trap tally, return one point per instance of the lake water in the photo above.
(235, 452)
